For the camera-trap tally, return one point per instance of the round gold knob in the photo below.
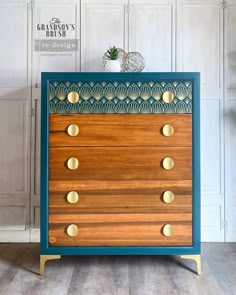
(73, 97)
(167, 230)
(168, 130)
(168, 197)
(168, 96)
(168, 163)
(72, 197)
(73, 130)
(72, 230)
(73, 163)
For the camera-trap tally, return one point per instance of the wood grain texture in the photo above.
(135, 218)
(120, 229)
(114, 187)
(126, 235)
(120, 163)
(119, 204)
(119, 196)
(121, 130)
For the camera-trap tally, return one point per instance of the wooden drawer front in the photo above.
(120, 229)
(121, 130)
(136, 234)
(120, 163)
(119, 203)
(120, 196)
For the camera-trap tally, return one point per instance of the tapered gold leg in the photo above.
(197, 259)
(44, 259)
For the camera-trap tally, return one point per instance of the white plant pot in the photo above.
(112, 66)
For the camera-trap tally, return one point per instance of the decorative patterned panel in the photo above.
(122, 97)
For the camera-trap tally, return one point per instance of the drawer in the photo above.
(87, 196)
(120, 163)
(120, 229)
(121, 130)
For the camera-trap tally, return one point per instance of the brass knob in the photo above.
(73, 130)
(73, 97)
(72, 197)
(168, 130)
(168, 197)
(168, 163)
(167, 230)
(72, 230)
(73, 163)
(168, 96)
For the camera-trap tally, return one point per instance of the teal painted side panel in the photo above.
(71, 79)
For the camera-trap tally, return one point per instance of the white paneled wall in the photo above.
(172, 35)
(68, 11)
(14, 121)
(200, 48)
(103, 24)
(152, 32)
(230, 121)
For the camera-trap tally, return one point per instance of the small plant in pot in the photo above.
(112, 62)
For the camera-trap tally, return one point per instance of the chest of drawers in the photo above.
(120, 172)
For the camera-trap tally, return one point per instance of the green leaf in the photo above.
(112, 53)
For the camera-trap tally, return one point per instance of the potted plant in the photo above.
(112, 62)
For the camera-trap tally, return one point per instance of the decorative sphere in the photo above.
(134, 62)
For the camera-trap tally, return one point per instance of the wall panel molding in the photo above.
(175, 35)
(193, 40)
(68, 12)
(154, 35)
(104, 23)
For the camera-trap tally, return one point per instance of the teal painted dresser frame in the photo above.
(120, 93)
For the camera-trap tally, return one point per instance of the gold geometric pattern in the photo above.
(120, 97)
